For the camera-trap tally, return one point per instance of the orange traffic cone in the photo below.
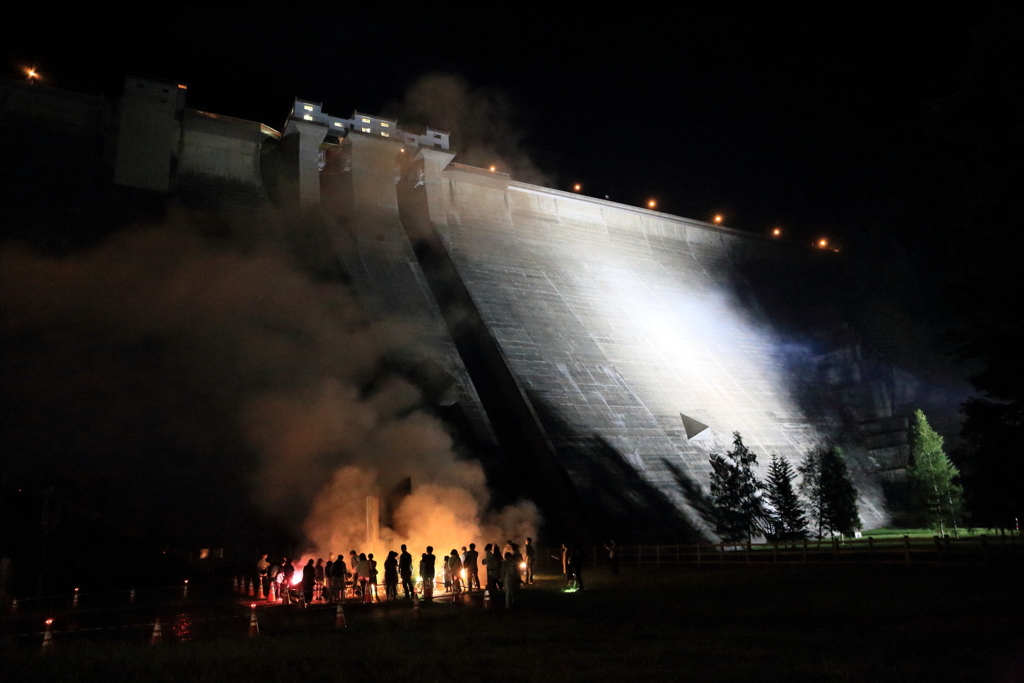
(251, 592)
(487, 598)
(48, 637)
(158, 635)
(259, 589)
(273, 592)
(254, 626)
(367, 595)
(74, 600)
(339, 617)
(234, 585)
(416, 614)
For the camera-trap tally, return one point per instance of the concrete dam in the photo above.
(593, 355)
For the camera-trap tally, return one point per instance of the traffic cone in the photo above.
(367, 595)
(273, 592)
(251, 592)
(259, 590)
(487, 598)
(131, 596)
(254, 626)
(158, 635)
(47, 637)
(184, 593)
(14, 606)
(74, 600)
(339, 617)
(416, 614)
(234, 586)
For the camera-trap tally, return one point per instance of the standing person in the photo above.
(363, 573)
(528, 551)
(576, 560)
(338, 575)
(318, 579)
(427, 573)
(329, 578)
(353, 560)
(373, 576)
(613, 556)
(262, 566)
(446, 572)
(405, 571)
(308, 581)
(565, 563)
(510, 577)
(455, 569)
(391, 575)
(493, 565)
(472, 570)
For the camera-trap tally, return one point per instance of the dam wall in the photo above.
(625, 331)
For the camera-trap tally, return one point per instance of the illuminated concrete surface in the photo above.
(619, 322)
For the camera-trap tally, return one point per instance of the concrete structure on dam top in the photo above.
(593, 355)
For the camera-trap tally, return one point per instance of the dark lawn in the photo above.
(855, 623)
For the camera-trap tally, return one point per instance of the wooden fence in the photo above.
(868, 550)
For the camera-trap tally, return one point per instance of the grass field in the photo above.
(853, 623)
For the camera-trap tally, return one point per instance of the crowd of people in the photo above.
(505, 568)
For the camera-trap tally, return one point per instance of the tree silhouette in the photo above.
(736, 493)
(787, 514)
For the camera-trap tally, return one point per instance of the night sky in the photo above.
(817, 121)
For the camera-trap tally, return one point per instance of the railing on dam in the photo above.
(884, 550)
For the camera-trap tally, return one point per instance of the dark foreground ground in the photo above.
(856, 623)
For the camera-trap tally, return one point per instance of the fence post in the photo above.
(747, 551)
(906, 549)
(938, 549)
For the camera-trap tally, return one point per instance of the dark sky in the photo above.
(817, 121)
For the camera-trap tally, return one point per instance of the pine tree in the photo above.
(736, 493)
(831, 497)
(838, 494)
(937, 498)
(788, 516)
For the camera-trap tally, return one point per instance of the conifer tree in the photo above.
(937, 498)
(788, 514)
(831, 497)
(736, 493)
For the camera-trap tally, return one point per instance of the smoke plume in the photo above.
(165, 367)
(480, 120)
